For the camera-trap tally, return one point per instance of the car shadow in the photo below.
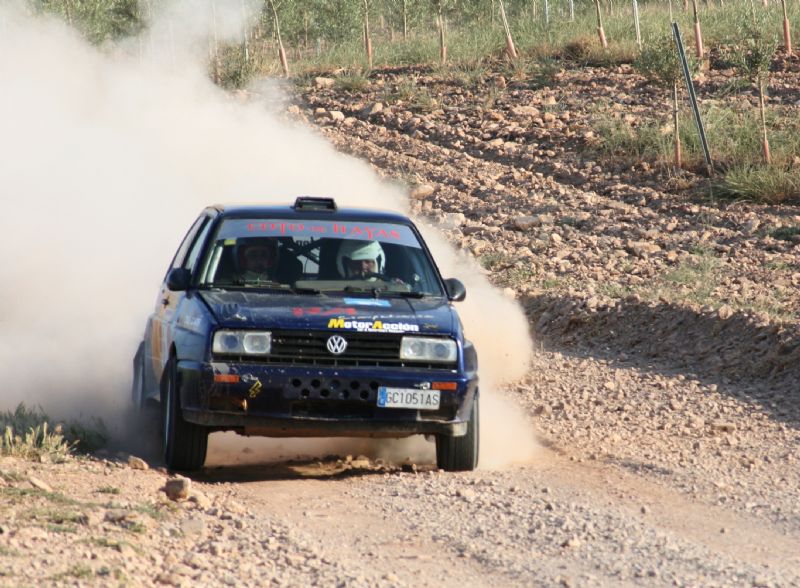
(306, 469)
(755, 362)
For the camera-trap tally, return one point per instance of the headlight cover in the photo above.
(228, 342)
(428, 349)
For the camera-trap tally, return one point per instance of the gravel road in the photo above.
(668, 432)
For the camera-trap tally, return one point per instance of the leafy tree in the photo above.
(660, 63)
(752, 61)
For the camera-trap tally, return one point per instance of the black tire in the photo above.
(460, 454)
(185, 443)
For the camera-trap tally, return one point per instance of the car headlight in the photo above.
(424, 349)
(242, 342)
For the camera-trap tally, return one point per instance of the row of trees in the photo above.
(304, 24)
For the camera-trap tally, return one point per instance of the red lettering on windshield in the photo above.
(363, 232)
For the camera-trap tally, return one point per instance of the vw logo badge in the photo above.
(337, 344)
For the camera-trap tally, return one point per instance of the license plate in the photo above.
(408, 398)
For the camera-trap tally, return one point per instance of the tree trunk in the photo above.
(762, 108)
(676, 129)
(510, 49)
(600, 31)
(281, 50)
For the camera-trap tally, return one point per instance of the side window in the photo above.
(177, 261)
(197, 248)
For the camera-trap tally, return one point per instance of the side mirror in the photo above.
(179, 279)
(455, 290)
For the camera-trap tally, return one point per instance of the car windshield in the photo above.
(315, 256)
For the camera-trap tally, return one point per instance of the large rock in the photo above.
(178, 488)
(39, 484)
(324, 83)
(137, 463)
(422, 191)
(527, 222)
(371, 109)
(522, 111)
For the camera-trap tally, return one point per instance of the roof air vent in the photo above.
(313, 203)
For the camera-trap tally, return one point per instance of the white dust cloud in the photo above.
(105, 161)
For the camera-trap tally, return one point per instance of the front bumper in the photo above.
(276, 401)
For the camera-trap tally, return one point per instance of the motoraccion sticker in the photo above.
(372, 326)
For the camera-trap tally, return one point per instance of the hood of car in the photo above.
(260, 310)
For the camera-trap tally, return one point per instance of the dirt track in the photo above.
(669, 459)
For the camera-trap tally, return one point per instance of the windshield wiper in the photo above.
(374, 290)
(242, 283)
(409, 294)
(305, 290)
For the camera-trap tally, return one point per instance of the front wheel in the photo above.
(185, 443)
(460, 454)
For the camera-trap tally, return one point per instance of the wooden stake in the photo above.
(215, 44)
(600, 32)
(510, 49)
(281, 50)
(698, 35)
(367, 39)
(762, 108)
(442, 42)
(676, 126)
(405, 20)
(787, 33)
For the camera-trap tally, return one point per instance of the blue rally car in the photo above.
(308, 321)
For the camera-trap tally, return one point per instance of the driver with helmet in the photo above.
(362, 260)
(258, 259)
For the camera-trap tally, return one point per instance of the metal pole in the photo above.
(571, 10)
(547, 13)
(676, 32)
(636, 24)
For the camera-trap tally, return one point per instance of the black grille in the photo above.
(309, 348)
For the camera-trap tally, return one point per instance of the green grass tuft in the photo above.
(30, 434)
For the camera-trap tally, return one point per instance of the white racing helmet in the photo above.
(359, 251)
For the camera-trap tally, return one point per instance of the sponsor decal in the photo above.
(255, 385)
(255, 389)
(368, 302)
(191, 322)
(319, 311)
(376, 326)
